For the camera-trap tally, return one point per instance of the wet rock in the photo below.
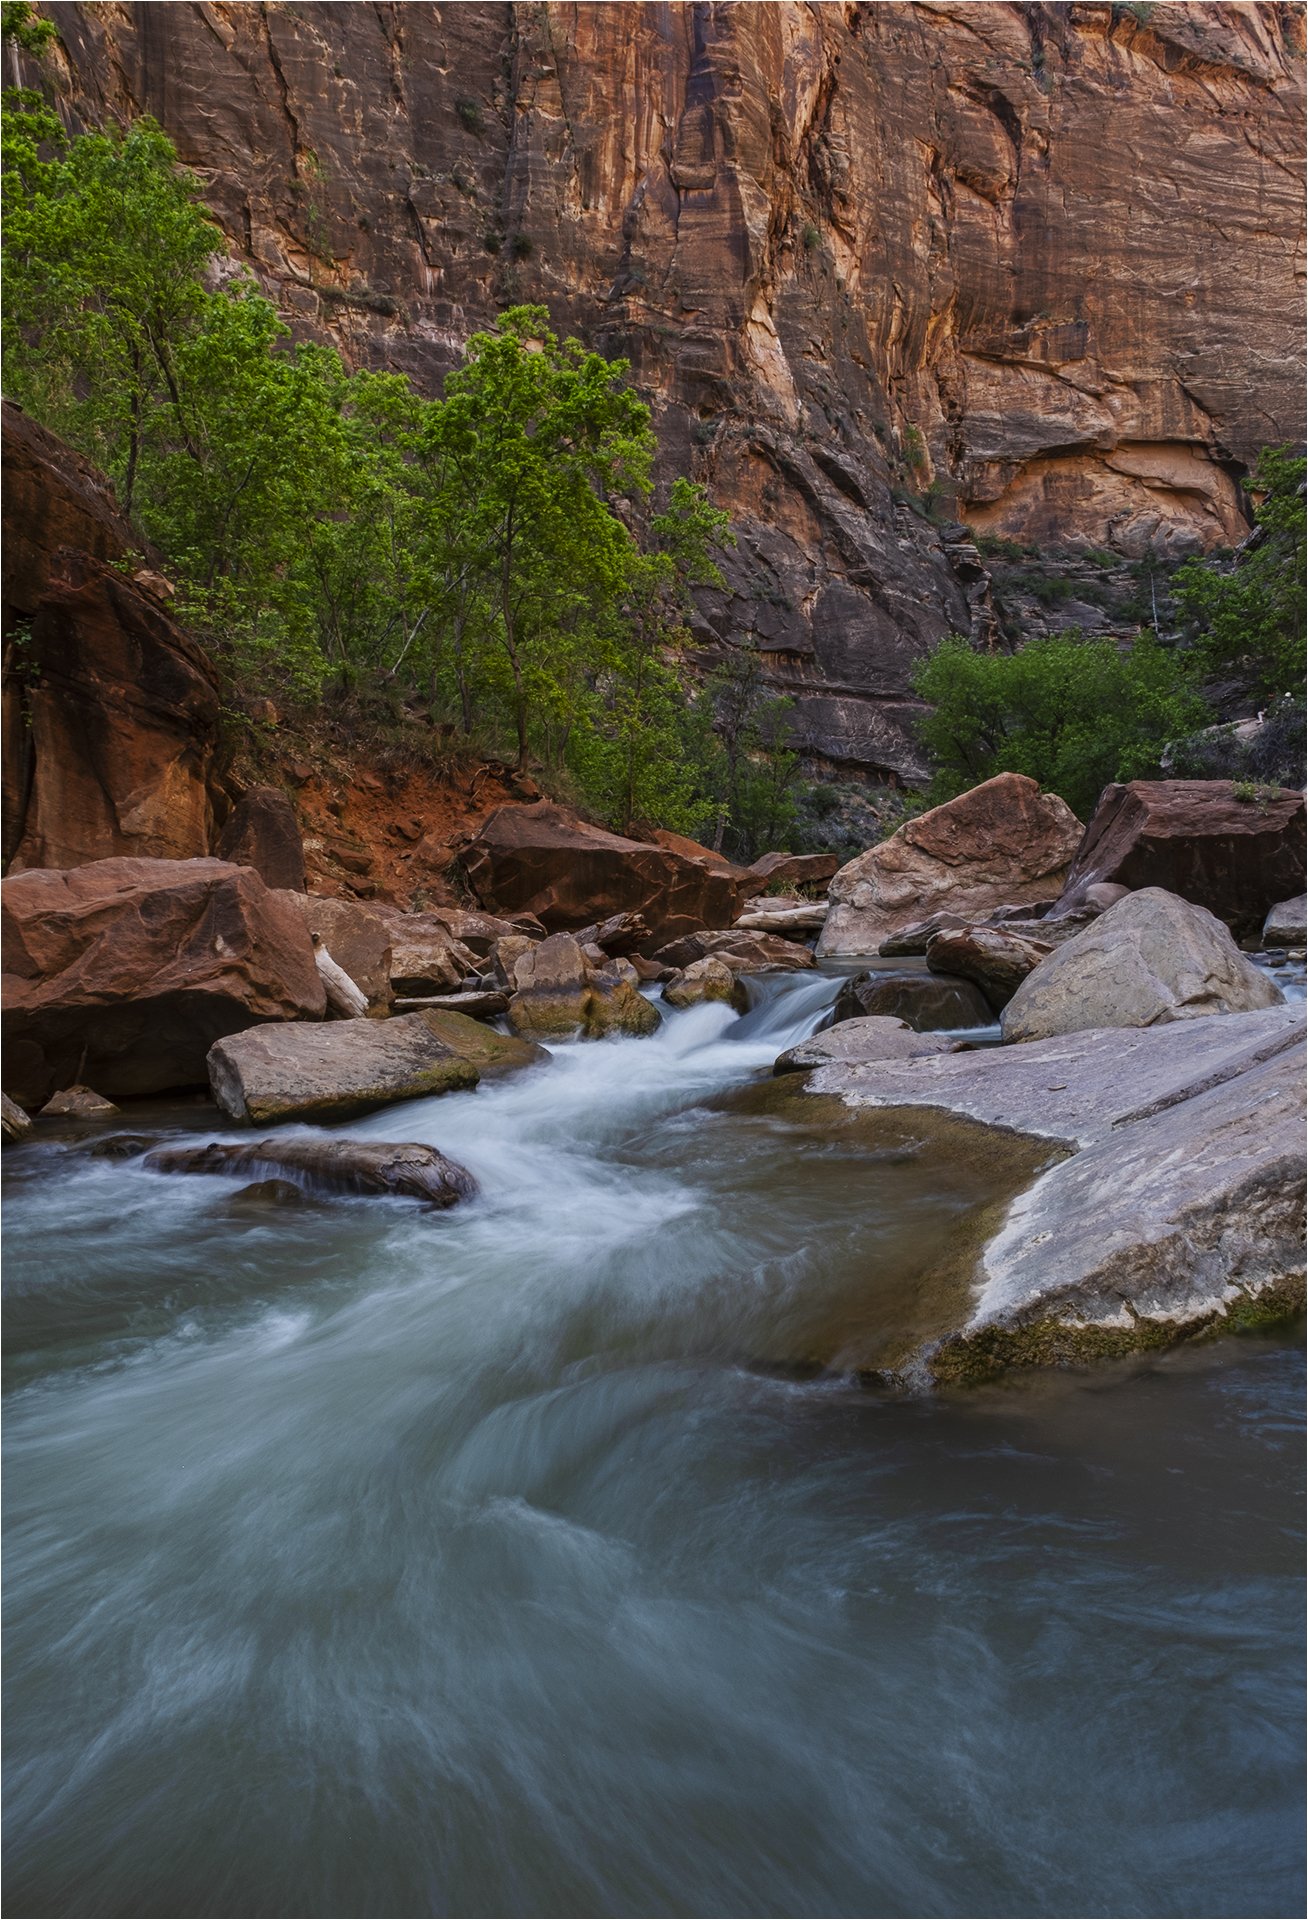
(1180, 1210)
(357, 938)
(78, 1103)
(873, 1037)
(542, 860)
(262, 832)
(407, 1169)
(261, 1195)
(1151, 958)
(122, 1146)
(741, 950)
(996, 958)
(14, 1123)
(926, 1002)
(1198, 839)
(124, 972)
(1002, 843)
(334, 1071)
(1287, 923)
(557, 995)
(706, 979)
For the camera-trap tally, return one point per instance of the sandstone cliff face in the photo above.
(1033, 266)
(111, 712)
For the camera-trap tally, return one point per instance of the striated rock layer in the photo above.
(1028, 264)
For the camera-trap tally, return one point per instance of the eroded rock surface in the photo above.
(1181, 1208)
(1002, 843)
(872, 1037)
(1151, 958)
(1040, 256)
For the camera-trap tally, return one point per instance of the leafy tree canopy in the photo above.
(1251, 617)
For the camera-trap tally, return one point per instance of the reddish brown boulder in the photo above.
(1003, 843)
(790, 869)
(262, 832)
(743, 952)
(995, 958)
(540, 859)
(123, 973)
(1198, 839)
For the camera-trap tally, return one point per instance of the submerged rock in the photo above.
(1151, 958)
(1181, 1208)
(927, 1002)
(875, 1037)
(407, 1169)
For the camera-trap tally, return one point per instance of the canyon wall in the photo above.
(891, 274)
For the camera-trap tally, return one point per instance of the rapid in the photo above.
(365, 1561)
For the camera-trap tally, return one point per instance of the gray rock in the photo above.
(1287, 923)
(1181, 1209)
(293, 1071)
(924, 1001)
(1151, 958)
(877, 1037)
(406, 1169)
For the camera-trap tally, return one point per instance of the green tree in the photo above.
(750, 770)
(1251, 617)
(1072, 714)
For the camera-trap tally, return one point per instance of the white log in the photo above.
(343, 995)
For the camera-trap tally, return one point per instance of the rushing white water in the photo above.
(365, 1561)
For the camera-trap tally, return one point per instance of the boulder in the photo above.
(77, 1103)
(557, 995)
(405, 1169)
(1180, 1210)
(926, 1002)
(507, 954)
(540, 859)
(742, 951)
(479, 932)
(621, 935)
(875, 1037)
(357, 938)
(996, 958)
(262, 832)
(790, 869)
(1150, 959)
(492, 1054)
(125, 972)
(425, 956)
(1199, 839)
(913, 940)
(1287, 923)
(112, 738)
(706, 979)
(1003, 842)
(333, 1072)
(14, 1123)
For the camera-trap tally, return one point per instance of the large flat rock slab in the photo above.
(1181, 1208)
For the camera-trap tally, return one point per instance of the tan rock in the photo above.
(706, 979)
(334, 1071)
(1003, 842)
(14, 1123)
(357, 938)
(742, 950)
(78, 1103)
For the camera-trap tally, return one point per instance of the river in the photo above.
(363, 1561)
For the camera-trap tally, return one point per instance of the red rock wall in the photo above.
(1041, 257)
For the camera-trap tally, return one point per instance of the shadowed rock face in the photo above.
(1039, 255)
